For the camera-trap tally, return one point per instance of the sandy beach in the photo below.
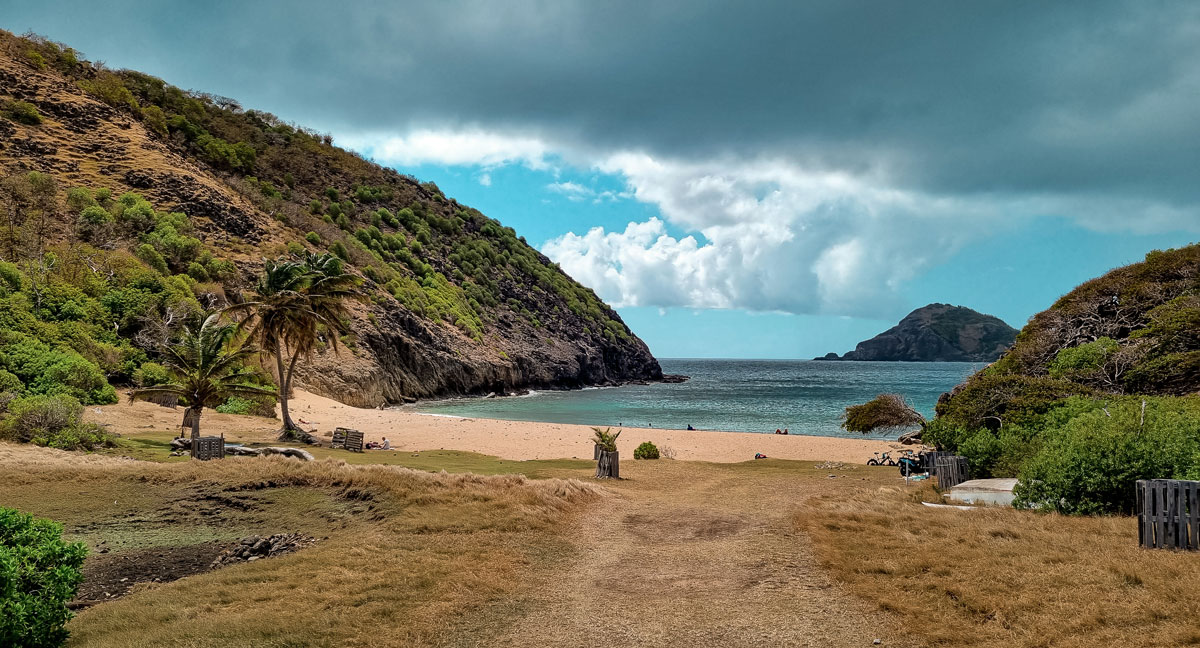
(516, 440)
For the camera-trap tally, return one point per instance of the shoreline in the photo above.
(510, 440)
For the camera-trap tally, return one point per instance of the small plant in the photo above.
(606, 438)
(39, 573)
(24, 112)
(646, 450)
(54, 421)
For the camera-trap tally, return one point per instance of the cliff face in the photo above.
(937, 333)
(457, 303)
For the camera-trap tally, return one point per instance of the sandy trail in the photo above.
(676, 560)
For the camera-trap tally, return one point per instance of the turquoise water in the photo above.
(807, 397)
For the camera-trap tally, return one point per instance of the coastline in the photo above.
(512, 440)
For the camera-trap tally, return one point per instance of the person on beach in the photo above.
(387, 445)
(691, 428)
(778, 431)
(785, 430)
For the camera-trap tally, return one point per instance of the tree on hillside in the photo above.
(297, 301)
(206, 368)
(885, 412)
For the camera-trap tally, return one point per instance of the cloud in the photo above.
(576, 192)
(775, 238)
(485, 179)
(473, 147)
(804, 156)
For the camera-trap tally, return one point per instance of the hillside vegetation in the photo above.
(129, 203)
(1099, 390)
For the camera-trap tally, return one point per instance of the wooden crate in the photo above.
(209, 447)
(354, 440)
(951, 471)
(1168, 513)
(339, 438)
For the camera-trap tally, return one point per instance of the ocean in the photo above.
(804, 396)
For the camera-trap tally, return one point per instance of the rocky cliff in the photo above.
(457, 304)
(937, 333)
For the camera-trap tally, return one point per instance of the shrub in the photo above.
(39, 574)
(9, 383)
(24, 113)
(35, 416)
(1089, 463)
(313, 237)
(150, 374)
(154, 119)
(646, 450)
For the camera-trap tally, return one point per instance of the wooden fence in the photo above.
(1168, 513)
(951, 471)
(929, 460)
(209, 447)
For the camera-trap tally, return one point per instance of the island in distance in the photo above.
(937, 333)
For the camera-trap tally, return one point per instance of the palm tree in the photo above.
(297, 298)
(206, 368)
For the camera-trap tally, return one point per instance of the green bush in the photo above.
(313, 237)
(1089, 462)
(154, 119)
(52, 421)
(646, 450)
(39, 574)
(24, 112)
(150, 374)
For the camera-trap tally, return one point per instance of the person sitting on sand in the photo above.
(387, 445)
(785, 430)
(778, 431)
(691, 428)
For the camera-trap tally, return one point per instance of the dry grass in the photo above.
(1000, 577)
(410, 557)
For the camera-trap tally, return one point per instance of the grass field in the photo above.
(534, 553)
(1001, 577)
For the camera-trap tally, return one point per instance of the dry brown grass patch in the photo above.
(1000, 577)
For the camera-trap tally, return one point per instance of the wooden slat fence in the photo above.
(1168, 514)
(951, 471)
(929, 459)
(209, 447)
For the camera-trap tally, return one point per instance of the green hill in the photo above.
(1098, 390)
(129, 203)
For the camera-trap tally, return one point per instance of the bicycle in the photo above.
(884, 459)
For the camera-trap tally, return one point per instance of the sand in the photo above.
(516, 440)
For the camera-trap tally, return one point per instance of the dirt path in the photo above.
(676, 560)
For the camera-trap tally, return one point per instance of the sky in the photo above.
(738, 179)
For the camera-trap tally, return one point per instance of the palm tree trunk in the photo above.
(285, 380)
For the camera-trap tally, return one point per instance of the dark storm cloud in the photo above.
(948, 97)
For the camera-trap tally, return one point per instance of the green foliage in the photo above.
(154, 119)
(237, 157)
(39, 575)
(247, 406)
(646, 450)
(52, 421)
(35, 59)
(1084, 359)
(1089, 462)
(23, 112)
(884, 412)
(151, 374)
(45, 369)
(109, 88)
(339, 250)
(606, 438)
(313, 238)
